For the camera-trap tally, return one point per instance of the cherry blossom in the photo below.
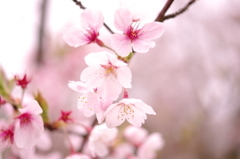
(134, 37)
(133, 110)
(28, 126)
(148, 149)
(100, 139)
(135, 135)
(91, 22)
(107, 74)
(90, 103)
(6, 137)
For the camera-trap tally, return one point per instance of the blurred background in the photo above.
(191, 78)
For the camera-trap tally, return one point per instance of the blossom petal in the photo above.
(144, 107)
(74, 37)
(94, 102)
(121, 44)
(27, 136)
(99, 148)
(93, 76)
(92, 18)
(137, 119)
(112, 114)
(79, 87)
(110, 88)
(142, 46)
(86, 109)
(33, 107)
(122, 19)
(152, 31)
(96, 59)
(124, 76)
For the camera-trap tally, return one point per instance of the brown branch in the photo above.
(160, 16)
(180, 11)
(83, 7)
(85, 138)
(41, 32)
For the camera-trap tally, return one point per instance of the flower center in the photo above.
(25, 119)
(110, 69)
(91, 35)
(126, 112)
(7, 135)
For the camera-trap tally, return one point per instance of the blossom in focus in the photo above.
(22, 82)
(133, 110)
(107, 74)
(91, 22)
(29, 125)
(135, 135)
(134, 37)
(90, 103)
(148, 149)
(77, 156)
(100, 139)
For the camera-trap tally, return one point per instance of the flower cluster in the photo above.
(100, 87)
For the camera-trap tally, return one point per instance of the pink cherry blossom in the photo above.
(133, 110)
(28, 126)
(90, 103)
(148, 149)
(135, 135)
(100, 139)
(134, 37)
(107, 74)
(77, 156)
(6, 137)
(91, 22)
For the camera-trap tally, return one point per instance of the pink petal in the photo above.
(100, 117)
(92, 18)
(124, 76)
(27, 136)
(121, 44)
(152, 31)
(112, 114)
(74, 37)
(106, 103)
(93, 76)
(137, 119)
(83, 105)
(98, 148)
(94, 102)
(97, 59)
(79, 87)
(122, 19)
(144, 107)
(33, 108)
(110, 88)
(142, 46)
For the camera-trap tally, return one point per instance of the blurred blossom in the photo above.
(100, 139)
(135, 135)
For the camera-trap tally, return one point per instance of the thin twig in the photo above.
(85, 138)
(180, 11)
(79, 3)
(163, 11)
